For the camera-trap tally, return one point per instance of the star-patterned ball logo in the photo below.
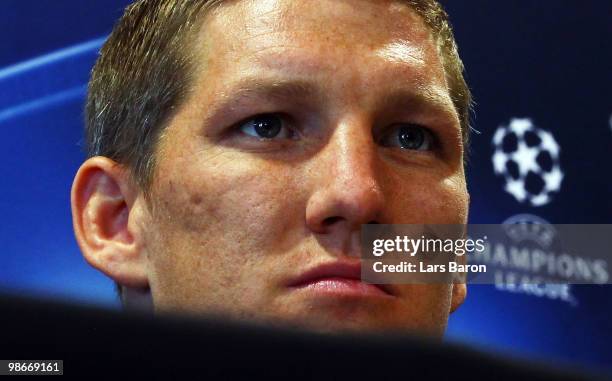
(527, 157)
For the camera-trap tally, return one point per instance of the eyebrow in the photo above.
(258, 89)
(270, 89)
(417, 101)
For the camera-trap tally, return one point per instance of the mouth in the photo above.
(338, 279)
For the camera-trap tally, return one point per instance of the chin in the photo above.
(359, 319)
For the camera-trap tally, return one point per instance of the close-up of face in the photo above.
(307, 187)
(302, 123)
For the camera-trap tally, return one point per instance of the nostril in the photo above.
(331, 220)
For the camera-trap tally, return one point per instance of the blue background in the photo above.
(547, 60)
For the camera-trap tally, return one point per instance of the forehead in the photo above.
(292, 35)
(364, 21)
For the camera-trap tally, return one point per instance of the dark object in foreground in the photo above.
(100, 342)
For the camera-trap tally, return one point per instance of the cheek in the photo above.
(249, 198)
(428, 198)
(244, 203)
(454, 199)
(217, 220)
(428, 306)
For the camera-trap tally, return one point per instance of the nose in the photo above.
(348, 192)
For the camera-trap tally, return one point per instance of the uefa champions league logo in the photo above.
(531, 252)
(527, 157)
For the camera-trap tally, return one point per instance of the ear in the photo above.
(458, 296)
(459, 285)
(106, 214)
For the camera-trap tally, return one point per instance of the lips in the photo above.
(338, 278)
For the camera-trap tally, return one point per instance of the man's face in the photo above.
(305, 121)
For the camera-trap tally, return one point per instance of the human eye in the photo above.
(266, 127)
(408, 136)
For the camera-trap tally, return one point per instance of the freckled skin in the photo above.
(234, 218)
